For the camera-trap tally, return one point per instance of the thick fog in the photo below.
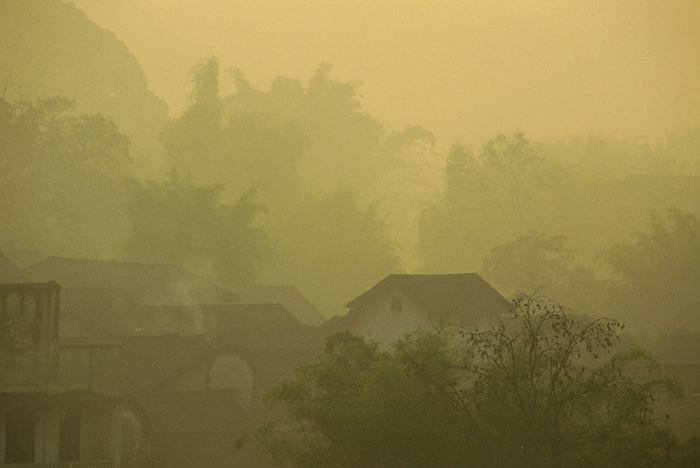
(326, 145)
(465, 70)
(431, 233)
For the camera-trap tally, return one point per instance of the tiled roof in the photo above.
(95, 297)
(287, 295)
(90, 311)
(441, 294)
(460, 298)
(250, 316)
(251, 338)
(148, 284)
(146, 361)
(96, 312)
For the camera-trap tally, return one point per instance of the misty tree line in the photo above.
(290, 185)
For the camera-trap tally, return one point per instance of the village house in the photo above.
(100, 298)
(59, 401)
(160, 367)
(287, 295)
(139, 385)
(111, 297)
(168, 400)
(401, 303)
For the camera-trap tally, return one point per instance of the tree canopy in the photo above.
(64, 178)
(227, 140)
(331, 247)
(494, 195)
(542, 262)
(178, 221)
(656, 272)
(544, 388)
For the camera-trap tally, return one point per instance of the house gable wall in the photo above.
(380, 323)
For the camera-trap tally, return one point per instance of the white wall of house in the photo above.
(381, 323)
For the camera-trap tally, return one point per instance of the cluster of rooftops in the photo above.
(189, 360)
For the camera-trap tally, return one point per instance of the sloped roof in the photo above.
(259, 326)
(90, 311)
(95, 297)
(146, 361)
(96, 312)
(148, 284)
(251, 316)
(466, 293)
(287, 295)
(252, 338)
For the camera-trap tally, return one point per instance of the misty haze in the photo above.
(349, 234)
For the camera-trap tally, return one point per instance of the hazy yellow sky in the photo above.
(464, 69)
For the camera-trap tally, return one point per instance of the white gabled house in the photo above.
(401, 303)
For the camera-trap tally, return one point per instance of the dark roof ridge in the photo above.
(430, 290)
(432, 274)
(391, 276)
(247, 304)
(123, 262)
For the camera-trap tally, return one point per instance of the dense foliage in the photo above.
(543, 388)
(542, 262)
(64, 178)
(178, 221)
(331, 247)
(302, 143)
(656, 273)
(494, 195)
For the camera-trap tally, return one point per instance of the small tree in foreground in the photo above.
(542, 388)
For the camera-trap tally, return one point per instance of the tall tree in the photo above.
(504, 180)
(341, 139)
(194, 140)
(178, 221)
(541, 262)
(543, 389)
(63, 177)
(656, 273)
(501, 193)
(331, 247)
(232, 139)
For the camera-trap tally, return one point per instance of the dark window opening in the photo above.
(14, 305)
(19, 437)
(396, 304)
(69, 435)
(29, 309)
